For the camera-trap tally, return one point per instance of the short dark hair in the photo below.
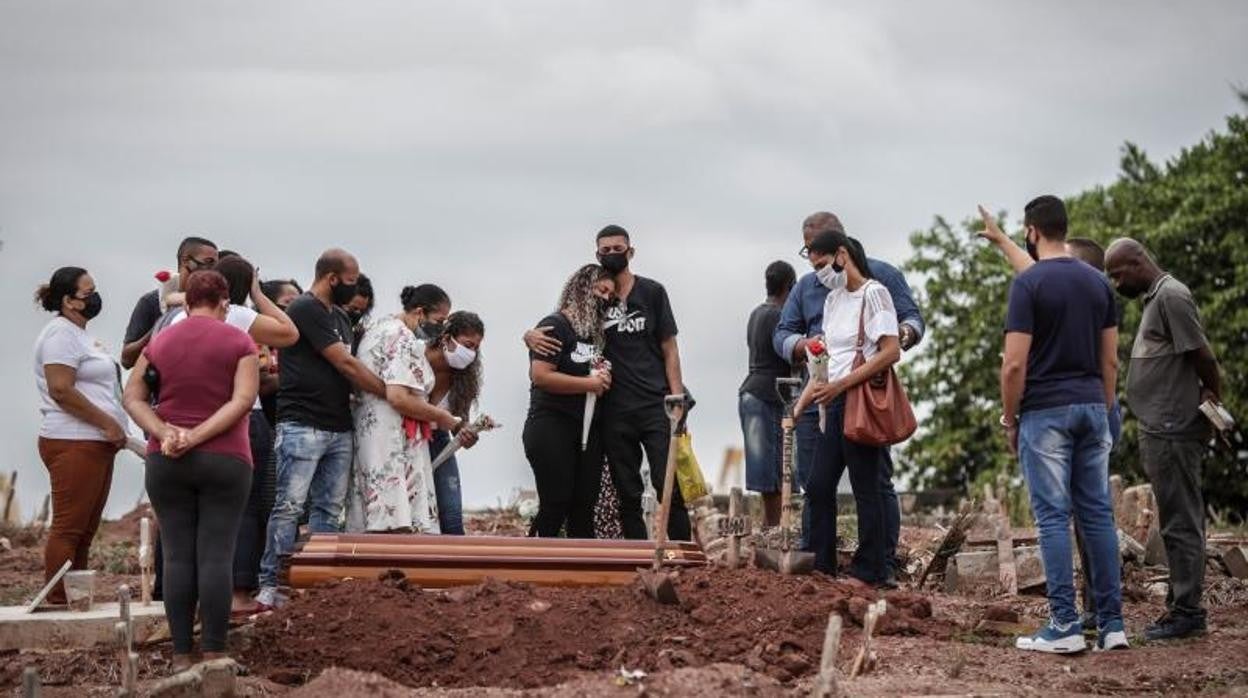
(238, 274)
(273, 287)
(191, 243)
(612, 231)
(364, 287)
(1088, 251)
(425, 296)
(205, 287)
(1047, 214)
(64, 282)
(779, 278)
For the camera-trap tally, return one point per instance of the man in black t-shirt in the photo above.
(314, 440)
(645, 366)
(194, 253)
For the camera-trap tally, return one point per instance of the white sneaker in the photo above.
(1112, 637)
(268, 598)
(1055, 639)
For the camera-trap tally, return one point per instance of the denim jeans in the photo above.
(760, 426)
(809, 439)
(446, 487)
(1064, 453)
(313, 467)
(831, 459)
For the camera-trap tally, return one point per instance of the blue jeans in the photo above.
(1064, 453)
(809, 439)
(446, 487)
(313, 466)
(833, 456)
(760, 426)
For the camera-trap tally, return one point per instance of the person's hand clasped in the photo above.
(600, 382)
(175, 441)
(540, 342)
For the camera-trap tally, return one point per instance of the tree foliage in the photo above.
(1191, 212)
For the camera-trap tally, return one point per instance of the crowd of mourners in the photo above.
(267, 408)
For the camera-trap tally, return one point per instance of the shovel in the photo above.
(787, 559)
(657, 581)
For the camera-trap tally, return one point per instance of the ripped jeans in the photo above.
(313, 467)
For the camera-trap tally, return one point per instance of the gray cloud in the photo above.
(479, 145)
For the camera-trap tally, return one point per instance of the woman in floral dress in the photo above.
(393, 476)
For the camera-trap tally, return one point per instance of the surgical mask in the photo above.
(460, 357)
(94, 304)
(343, 293)
(831, 275)
(614, 262)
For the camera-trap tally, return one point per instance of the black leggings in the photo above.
(249, 545)
(567, 477)
(199, 499)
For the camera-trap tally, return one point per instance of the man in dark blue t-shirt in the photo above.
(1058, 379)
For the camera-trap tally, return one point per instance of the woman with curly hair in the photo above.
(568, 474)
(454, 351)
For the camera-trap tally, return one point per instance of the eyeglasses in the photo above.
(201, 263)
(804, 253)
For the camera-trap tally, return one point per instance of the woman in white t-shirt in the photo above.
(84, 424)
(841, 266)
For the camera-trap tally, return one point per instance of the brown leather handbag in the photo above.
(877, 412)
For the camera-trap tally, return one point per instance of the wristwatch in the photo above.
(1008, 424)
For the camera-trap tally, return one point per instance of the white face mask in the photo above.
(830, 277)
(460, 357)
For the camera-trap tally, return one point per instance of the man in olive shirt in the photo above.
(1172, 371)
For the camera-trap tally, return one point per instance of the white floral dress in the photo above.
(392, 479)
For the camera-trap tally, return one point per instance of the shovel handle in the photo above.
(670, 405)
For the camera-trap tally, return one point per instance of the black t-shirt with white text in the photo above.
(635, 332)
(575, 358)
(311, 391)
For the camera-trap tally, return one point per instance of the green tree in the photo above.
(1191, 212)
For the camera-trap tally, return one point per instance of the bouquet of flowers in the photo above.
(817, 360)
(599, 366)
(481, 424)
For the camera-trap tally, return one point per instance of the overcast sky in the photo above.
(479, 145)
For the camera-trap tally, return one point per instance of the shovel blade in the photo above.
(658, 585)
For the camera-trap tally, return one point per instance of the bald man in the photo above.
(1171, 372)
(314, 439)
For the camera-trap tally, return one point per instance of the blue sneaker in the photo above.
(1112, 637)
(1055, 639)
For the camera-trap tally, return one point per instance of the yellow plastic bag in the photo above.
(688, 473)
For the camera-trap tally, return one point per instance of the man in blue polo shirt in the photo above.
(801, 319)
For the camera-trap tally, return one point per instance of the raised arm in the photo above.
(1017, 257)
(273, 327)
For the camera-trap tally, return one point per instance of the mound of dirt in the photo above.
(520, 636)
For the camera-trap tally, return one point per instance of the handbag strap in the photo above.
(862, 332)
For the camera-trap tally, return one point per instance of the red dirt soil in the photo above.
(516, 635)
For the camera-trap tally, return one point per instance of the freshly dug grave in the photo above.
(516, 635)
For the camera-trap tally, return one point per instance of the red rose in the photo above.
(816, 348)
(162, 276)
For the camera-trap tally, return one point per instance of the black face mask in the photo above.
(343, 293)
(614, 262)
(432, 330)
(1031, 248)
(94, 304)
(355, 316)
